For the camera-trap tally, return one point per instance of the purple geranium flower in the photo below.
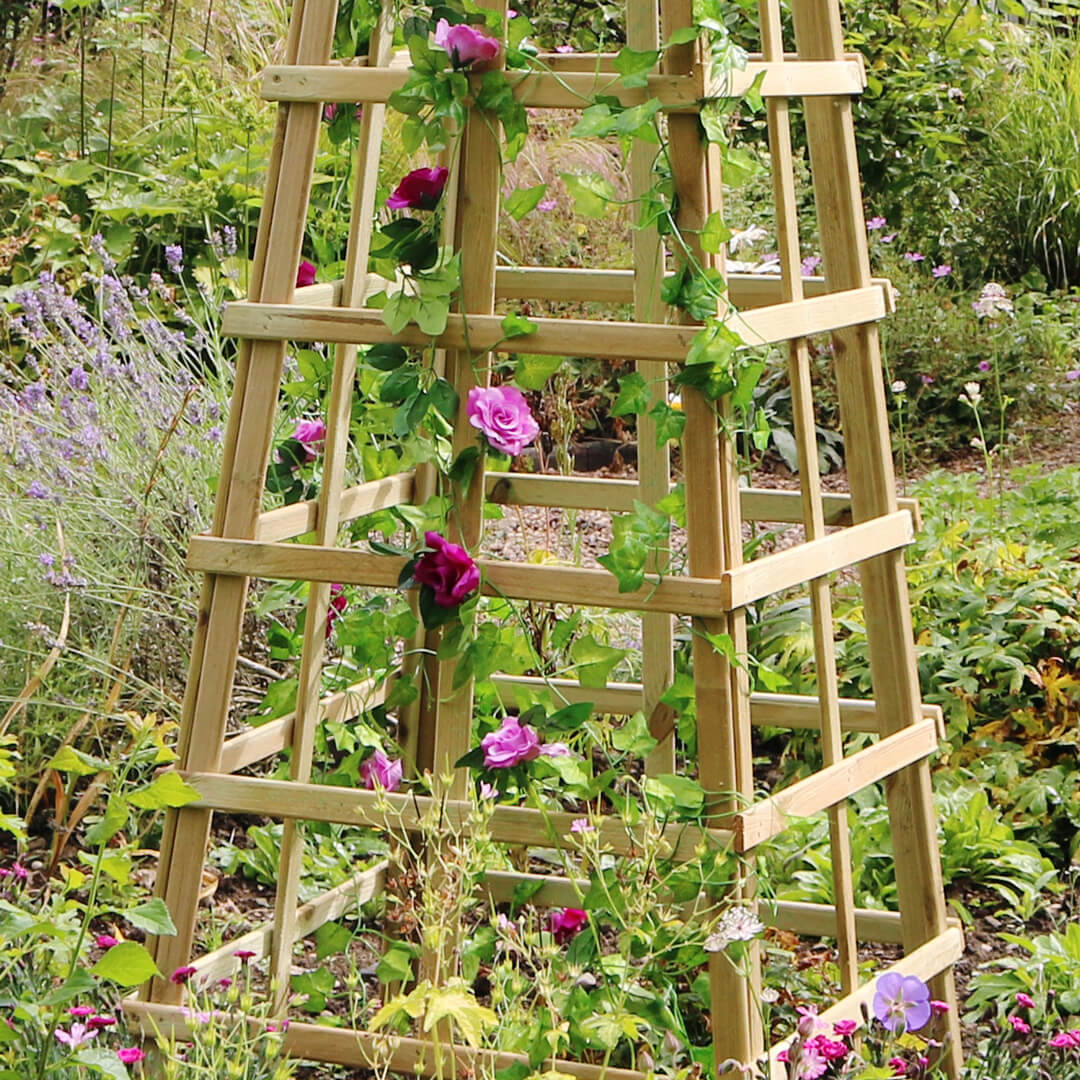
(902, 1002)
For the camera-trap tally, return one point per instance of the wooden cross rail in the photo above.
(293, 800)
(553, 337)
(574, 89)
(677, 594)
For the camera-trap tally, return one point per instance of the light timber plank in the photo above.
(554, 337)
(556, 584)
(820, 790)
(271, 738)
(349, 895)
(390, 812)
(926, 962)
(816, 558)
(377, 1052)
(605, 62)
(296, 519)
(572, 89)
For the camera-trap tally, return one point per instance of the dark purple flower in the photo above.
(78, 379)
(181, 975)
(567, 923)
(448, 570)
(419, 190)
(305, 274)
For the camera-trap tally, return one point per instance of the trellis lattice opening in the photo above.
(867, 529)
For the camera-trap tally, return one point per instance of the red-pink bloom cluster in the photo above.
(567, 923)
(1066, 1040)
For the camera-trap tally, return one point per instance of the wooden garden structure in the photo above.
(867, 528)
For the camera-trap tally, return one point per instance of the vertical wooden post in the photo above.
(338, 418)
(787, 228)
(831, 139)
(711, 491)
(654, 462)
(240, 499)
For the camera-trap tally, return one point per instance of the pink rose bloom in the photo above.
(305, 274)
(130, 1055)
(311, 434)
(503, 415)
(105, 941)
(379, 771)
(339, 603)
(567, 923)
(512, 744)
(448, 569)
(419, 190)
(465, 44)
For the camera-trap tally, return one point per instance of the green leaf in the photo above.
(151, 916)
(634, 66)
(524, 891)
(168, 789)
(678, 791)
(69, 760)
(331, 938)
(633, 737)
(80, 983)
(317, 985)
(715, 234)
(633, 395)
(569, 718)
(385, 357)
(633, 120)
(723, 644)
(395, 965)
(431, 313)
(522, 201)
(103, 1060)
(591, 193)
(113, 820)
(445, 398)
(594, 661)
(399, 385)
(533, 371)
(749, 375)
(683, 36)
(400, 310)
(596, 121)
(514, 326)
(670, 423)
(456, 1003)
(126, 964)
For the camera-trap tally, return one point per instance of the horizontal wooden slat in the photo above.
(937, 955)
(618, 496)
(347, 896)
(287, 522)
(573, 89)
(379, 1053)
(271, 738)
(834, 783)
(773, 573)
(591, 61)
(555, 337)
(555, 584)
(795, 711)
(405, 813)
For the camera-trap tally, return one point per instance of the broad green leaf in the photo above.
(637, 117)
(533, 370)
(445, 398)
(455, 1002)
(431, 313)
(522, 201)
(395, 965)
(103, 1059)
(113, 820)
(126, 964)
(679, 791)
(633, 737)
(514, 326)
(670, 423)
(151, 916)
(634, 66)
(591, 193)
(594, 661)
(331, 938)
(683, 36)
(400, 310)
(317, 985)
(595, 122)
(715, 234)
(114, 863)
(69, 760)
(633, 395)
(80, 983)
(168, 789)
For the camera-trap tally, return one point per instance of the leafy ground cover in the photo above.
(132, 150)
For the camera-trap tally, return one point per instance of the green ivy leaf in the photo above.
(126, 964)
(683, 36)
(569, 718)
(591, 193)
(638, 120)
(633, 395)
(715, 234)
(168, 789)
(676, 791)
(634, 66)
(596, 121)
(633, 737)
(594, 661)
(670, 423)
(522, 201)
(318, 985)
(514, 326)
(532, 370)
(395, 965)
(151, 916)
(331, 938)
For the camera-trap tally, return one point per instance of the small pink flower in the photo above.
(899, 1066)
(465, 44)
(1072, 376)
(564, 48)
(379, 771)
(244, 955)
(224, 983)
(914, 256)
(78, 1036)
(130, 1055)
(504, 417)
(810, 264)
(830, 1049)
(1066, 1040)
(512, 744)
(984, 365)
(181, 975)
(488, 791)
(581, 825)
(844, 1028)
(1025, 1001)
(81, 1011)
(927, 380)
(448, 569)
(1020, 1025)
(419, 190)
(555, 749)
(337, 607)
(938, 1008)
(106, 941)
(944, 270)
(876, 223)
(546, 204)
(305, 272)
(889, 239)
(311, 434)
(567, 923)
(99, 1022)
(329, 112)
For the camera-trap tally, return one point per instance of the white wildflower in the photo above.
(899, 386)
(736, 924)
(746, 237)
(992, 300)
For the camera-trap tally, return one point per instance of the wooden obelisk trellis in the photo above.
(246, 543)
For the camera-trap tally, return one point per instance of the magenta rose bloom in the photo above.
(502, 414)
(465, 44)
(512, 744)
(448, 569)
(305, 274)
(419, 190)
(567, 923)
(337, 607)
(379, 771)
(311, 434)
